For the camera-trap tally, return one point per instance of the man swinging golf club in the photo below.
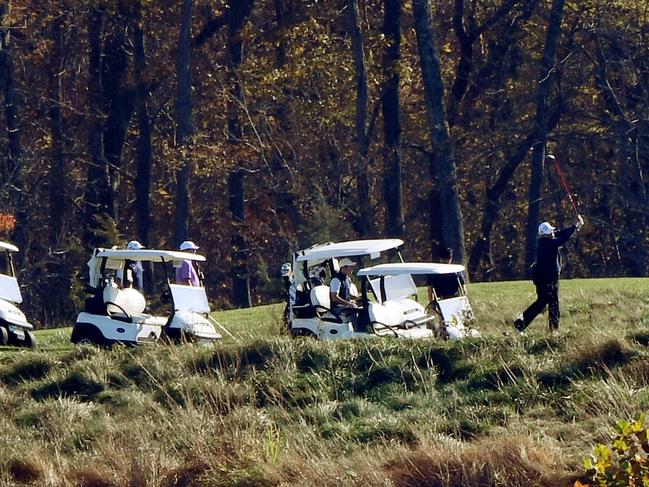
(545, 274)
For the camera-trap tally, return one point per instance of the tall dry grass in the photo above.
(499, 410)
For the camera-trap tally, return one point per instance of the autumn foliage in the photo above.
(90, 154)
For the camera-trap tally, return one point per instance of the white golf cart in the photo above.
(448, 313)
(117, 315)
(14, 327)
(309, 306)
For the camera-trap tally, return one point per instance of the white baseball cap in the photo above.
(286, 269)
(188, 245)
(345, 262)
(546, 229)
(134, 245)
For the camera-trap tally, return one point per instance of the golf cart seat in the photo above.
(302, 308)
(320, 298)
(396, 294)
(123, 302)
(321, 302)
(384, 316)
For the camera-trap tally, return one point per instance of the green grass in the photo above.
(260, 408)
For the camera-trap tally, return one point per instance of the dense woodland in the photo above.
(255, 127)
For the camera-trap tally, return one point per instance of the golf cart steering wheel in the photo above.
(117, 306)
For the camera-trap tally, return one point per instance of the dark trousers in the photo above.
(547, 294)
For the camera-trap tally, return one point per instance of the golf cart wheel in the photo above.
(30, 339)
(302, 333)
(89, 337)
(4, 336)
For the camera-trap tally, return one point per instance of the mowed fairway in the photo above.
(263, 409)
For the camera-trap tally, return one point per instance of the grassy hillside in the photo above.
(263, 409)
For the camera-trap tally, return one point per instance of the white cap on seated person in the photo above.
(345, 262)
(188, 245)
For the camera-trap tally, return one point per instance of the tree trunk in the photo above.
(467, 31)
(58, 177)
(443, 159)
(13, 167)
(238, 11)
(15, 150)
(143, 177)
(285, 199)
(144, 151)
(118, 98)
(633, 200)
(634, 197)
(391, 107)
(183, 121)
(240, 279)
(490, 75)
(495, 192)
(546, 80)
(99, 210)
(364, 204)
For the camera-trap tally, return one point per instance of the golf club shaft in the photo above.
(564, 182)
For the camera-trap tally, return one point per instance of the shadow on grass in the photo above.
(24, 472)
(447, 361)
(76, 384)
(592, 361)
(238, 361)
(514, 462)
(640, 337)
(496, 378)
(549, 344)
(24, 370)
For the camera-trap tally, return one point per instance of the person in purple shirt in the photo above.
(186, 274)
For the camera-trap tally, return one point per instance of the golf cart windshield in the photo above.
(9, 290)
(189, 298)
(395, 281)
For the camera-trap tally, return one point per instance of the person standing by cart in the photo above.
(445, 285)
(134, 271)
(545, 274)
(187, 274)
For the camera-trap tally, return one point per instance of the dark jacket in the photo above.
(548, 257)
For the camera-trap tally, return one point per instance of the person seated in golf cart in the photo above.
(442, 286)
(341, 292)
(318, 274)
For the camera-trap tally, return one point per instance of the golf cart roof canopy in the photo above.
(410, 268)
(348, 249)
(114, 259)
(148, 255)
(8, 246)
